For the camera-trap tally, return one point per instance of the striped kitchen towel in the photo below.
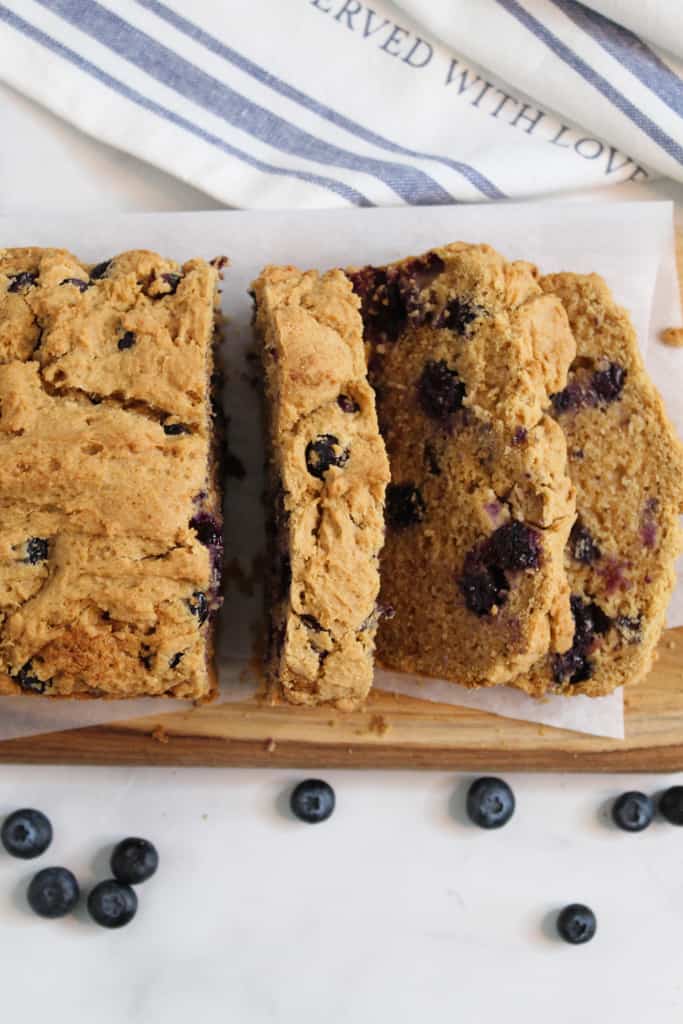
(313, 103)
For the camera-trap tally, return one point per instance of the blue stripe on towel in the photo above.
(475, 177)
(630, 51)
(173, 71)
(595, 79)
(350, 194)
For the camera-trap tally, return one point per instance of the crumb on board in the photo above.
(672, 336)
(270, 745)
(159, 734)
(671, 644)
(379, 725)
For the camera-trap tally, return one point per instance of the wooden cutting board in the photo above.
(392, 732)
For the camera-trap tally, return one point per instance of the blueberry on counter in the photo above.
(671, 805)
(633, 811)
(53, 892)
(134, 861)
(112, 904)
(26, 833)
(312, 801)
(490, 803)
(577, 924)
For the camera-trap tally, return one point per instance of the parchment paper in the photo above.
(630, 244)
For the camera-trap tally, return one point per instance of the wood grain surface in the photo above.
(392, 732)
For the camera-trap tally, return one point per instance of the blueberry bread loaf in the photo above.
(627, 467)
(328, 471)
(464, 350)
(110, 543)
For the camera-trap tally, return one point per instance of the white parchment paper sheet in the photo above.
(630, 244)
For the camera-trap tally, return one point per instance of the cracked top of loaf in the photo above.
(107, 571)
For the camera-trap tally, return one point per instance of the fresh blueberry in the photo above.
(199, 606)
(582, 544)
(173, 429)
(26, 833)
(404, 505)
(609, 383)
(515, 546)
(26, 279)
(112, 904)
(134, 861)
(127, 340)
(633, 811)
(53, 892)
(347, 404)
(440, 390)
(175, 659)
(576, 924)
(36, 550)
(671, 805)
(490, 803)
(77, 282)
(323, 453)
(100, 270)
(312, 801)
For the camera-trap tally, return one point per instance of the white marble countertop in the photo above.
(394, 910)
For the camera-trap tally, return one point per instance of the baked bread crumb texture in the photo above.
(110, 493)
(470, 476)
(535, 481)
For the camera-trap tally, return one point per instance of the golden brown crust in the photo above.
(105, 457)
(330, 521)
(627, 466)
(464, 349)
